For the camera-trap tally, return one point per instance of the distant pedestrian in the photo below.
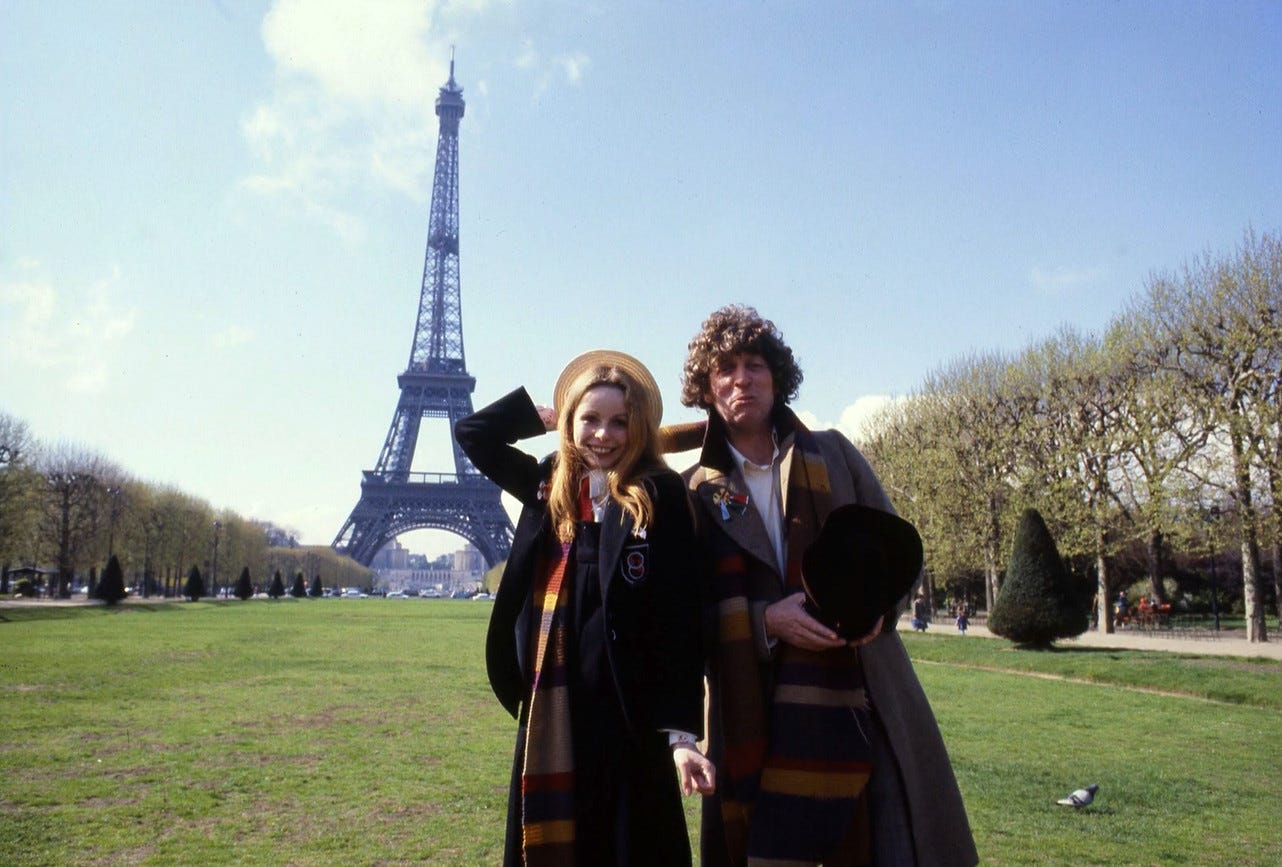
(963, 622)
(921, 612)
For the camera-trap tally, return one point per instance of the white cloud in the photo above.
(1058, 281)
(69, 334)
(854, 418)
(528, 58)
(363, 54)
(546, 72)
(231, 337)
(352, 107)
(34, 304)
(573, 66)
(351, 113)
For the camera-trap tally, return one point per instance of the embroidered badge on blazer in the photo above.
(634, 564)
(732, 505)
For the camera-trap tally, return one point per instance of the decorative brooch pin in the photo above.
(543, 491)
(732, 505)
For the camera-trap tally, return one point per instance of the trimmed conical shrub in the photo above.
(299, 590)
(195, 586)
(244, 586)
(316, 591)
(277, 588)
(111, 588)
(1038, 602)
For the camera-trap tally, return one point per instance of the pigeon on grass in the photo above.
(1081, 797)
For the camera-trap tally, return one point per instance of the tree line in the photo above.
(65, 511)
(1153, 449)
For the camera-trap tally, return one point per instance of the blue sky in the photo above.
(213, 213)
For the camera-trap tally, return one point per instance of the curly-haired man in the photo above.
(826, 750)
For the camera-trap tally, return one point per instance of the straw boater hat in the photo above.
(634, 369)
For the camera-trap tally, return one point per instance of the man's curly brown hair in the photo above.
(734, 329)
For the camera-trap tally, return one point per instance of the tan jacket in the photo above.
(941, 831)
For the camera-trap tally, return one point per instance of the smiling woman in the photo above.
(593, 643)
(601, 426)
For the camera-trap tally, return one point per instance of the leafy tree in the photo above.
(20, 490)
(1038, 603)
(195, 587)
(316, 590)
(244, 586)
(277, 588)
(1164, 442)
(1219, 319)
(111, 588)
(973, 413)
(278, 537)
(1084, 395)
(299, 590)
(310, 559)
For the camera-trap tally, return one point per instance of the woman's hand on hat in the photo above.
(548, 416)
(872, 633)
(787, 621)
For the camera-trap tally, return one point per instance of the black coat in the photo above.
(653, 644)
(649, 639)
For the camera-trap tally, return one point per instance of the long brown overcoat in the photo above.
(940, 830)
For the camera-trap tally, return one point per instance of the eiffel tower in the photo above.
(435, 384)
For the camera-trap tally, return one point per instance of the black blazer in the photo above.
(650, 591)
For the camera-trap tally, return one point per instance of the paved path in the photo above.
(1169, 640)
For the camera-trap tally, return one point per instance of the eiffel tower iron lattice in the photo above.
(435, 384)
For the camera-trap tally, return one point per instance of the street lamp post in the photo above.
(114, 512)
(213, 580)
(1215, 578)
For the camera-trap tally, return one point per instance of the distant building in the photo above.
(393, 557)
(397, 568)
(468, 560)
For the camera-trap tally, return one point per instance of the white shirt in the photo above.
(764, 494)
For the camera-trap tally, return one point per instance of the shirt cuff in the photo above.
(677, 737)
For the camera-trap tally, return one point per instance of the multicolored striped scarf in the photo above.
(547, 775)
(795, 763)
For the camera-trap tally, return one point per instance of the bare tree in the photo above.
(70, 517)
(20, 487)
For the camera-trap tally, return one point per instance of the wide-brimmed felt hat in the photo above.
(863, 561)
(634, 369)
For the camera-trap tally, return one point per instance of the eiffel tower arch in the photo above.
(435, 384)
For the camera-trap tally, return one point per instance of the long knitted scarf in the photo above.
(547, 775)
(795, 763)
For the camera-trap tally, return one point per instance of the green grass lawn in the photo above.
(364, 732)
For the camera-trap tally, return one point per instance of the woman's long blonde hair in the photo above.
(627, 478)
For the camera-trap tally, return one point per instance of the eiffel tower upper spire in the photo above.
(438, 335)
